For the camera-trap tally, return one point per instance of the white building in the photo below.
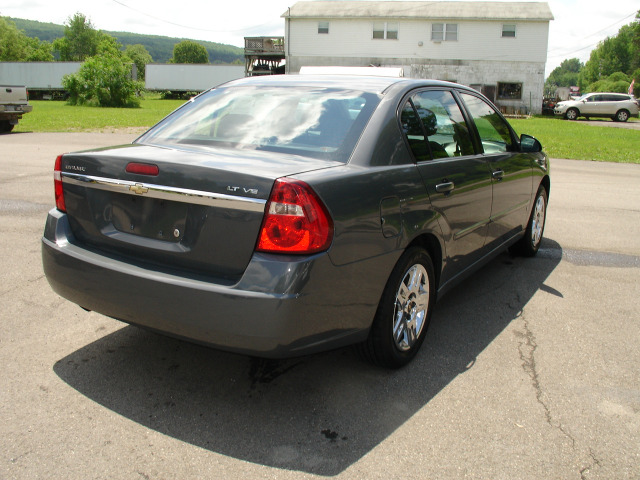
(499, 48)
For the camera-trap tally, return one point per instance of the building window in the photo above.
(385, 30)
(323, 27)
(510, 91)
(444, 32)
(508, 31)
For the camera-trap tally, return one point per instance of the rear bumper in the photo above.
(282, 306)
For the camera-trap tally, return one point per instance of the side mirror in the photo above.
(528, 144)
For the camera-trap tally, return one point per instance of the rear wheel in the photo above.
(5, 126)
(622, 116)
(572, 114)
(529, 244)
(404, 312)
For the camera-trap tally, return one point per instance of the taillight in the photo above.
(57, 185)
(142, 169)
(296, 220)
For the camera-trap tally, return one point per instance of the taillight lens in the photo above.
(57, 185)
(296, 220)
(142, 169)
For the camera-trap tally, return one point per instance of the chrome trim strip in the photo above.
(161, 192)
(506, 212)
(472, 228)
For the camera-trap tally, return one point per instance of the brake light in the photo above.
(296, 220)
(143, 169)
(57, 185)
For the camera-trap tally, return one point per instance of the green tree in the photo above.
(617, 82)
(38, 51)
(140, 57)
(565, 75)
(614, 54)
(104, 80)
(80, 40)
(635, 45)
(16, 46)
(188, 51)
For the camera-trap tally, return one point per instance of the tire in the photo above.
(572, 114)
(404, 312)
(621, 116)
(529, 245)
(5, 126)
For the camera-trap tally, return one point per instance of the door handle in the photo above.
(446, 187)
(498, 174)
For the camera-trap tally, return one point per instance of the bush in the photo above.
(617, 82)
(104, 80)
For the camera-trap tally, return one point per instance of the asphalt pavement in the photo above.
(529, 370)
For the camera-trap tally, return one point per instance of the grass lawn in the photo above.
(560, 138)
(57, 116)
(580, 141)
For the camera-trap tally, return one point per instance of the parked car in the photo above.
(617, 106)
(265, 217)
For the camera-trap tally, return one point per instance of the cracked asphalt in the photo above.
(529, 370)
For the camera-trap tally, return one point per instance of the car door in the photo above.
(593, 105)
(457, 180)
(511, 170)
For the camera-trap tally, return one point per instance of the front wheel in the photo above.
(529, 244)
(404, 312)
(572, 114)
(622, 116)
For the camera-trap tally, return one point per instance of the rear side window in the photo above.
(316, 122)
(494, 132)
(616, 98)
(434, 126)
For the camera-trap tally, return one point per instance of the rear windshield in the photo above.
(315, 122)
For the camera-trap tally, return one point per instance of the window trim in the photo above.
(323, 25)
(385, 31)
(499, 90)
(445, 32)
(509, 31)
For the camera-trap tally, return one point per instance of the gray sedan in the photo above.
(285, 215)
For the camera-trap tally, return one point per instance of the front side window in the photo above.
(385, 30)
(444, 32)
(494, 132)
(434, 126)
(319, 123)
(323, 28)
(510, 91)
(508, 31)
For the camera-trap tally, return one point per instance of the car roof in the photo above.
(371, 84)
(606, 93)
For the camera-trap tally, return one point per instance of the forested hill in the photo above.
(160, 48)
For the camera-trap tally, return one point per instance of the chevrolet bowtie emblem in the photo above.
(138, 189)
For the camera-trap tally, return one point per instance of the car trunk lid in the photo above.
(196, 210)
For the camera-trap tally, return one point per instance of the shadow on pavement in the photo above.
(317, 414)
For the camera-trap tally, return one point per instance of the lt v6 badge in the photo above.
(252, 191)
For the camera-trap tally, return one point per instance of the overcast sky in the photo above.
(578, 26)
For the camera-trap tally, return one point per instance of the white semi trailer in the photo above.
(42, 79)
(189, 77)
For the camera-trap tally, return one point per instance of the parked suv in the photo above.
(617, 106)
